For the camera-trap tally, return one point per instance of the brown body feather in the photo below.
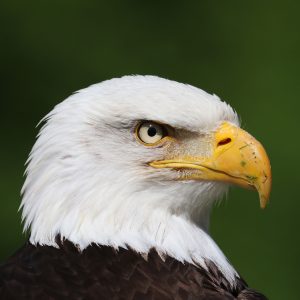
(45, 272)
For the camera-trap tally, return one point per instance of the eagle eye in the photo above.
(149, 132)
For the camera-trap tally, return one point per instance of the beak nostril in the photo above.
(224, 142)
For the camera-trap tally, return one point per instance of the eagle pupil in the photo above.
(152, 131)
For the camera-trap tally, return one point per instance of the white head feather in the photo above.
(88, 179)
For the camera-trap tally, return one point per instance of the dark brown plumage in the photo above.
(45, 272)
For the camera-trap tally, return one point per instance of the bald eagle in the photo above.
(118, 192)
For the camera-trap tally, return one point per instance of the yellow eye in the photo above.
(151, 132)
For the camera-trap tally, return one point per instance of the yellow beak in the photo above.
(237, 158)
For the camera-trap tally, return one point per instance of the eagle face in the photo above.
(138, 162)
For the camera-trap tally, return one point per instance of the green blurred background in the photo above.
(247, 52)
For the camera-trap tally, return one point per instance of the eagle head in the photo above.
(138, 162)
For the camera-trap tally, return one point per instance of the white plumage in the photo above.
(88, 178)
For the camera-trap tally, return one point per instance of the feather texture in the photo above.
(100, 272)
